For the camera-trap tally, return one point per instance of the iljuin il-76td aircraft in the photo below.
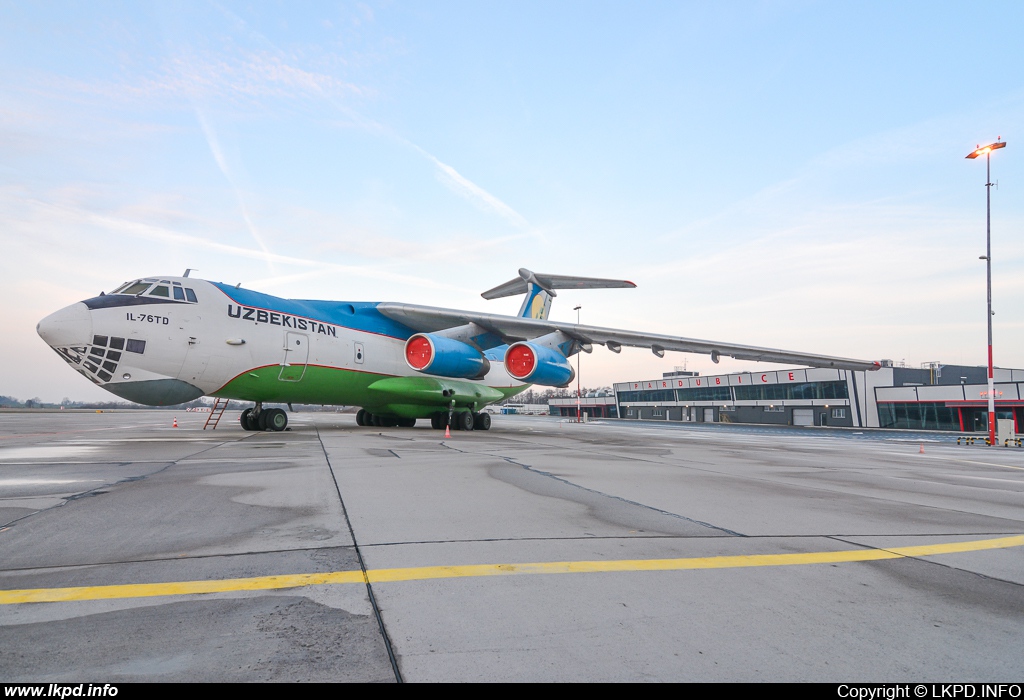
(165, 340)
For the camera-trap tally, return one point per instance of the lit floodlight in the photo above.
(985, 150)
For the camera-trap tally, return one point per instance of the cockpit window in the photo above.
(163, 289)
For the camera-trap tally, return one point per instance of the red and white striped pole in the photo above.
(987, 152)
(988, 266)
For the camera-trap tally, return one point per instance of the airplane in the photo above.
(165, 340)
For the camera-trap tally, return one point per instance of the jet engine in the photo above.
(443, 357)
(536, 364)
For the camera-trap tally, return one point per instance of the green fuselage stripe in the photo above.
(334, 387)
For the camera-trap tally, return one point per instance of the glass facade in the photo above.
(763, 392)
(704, 393)
(663, 395)
(918, 416)
(802, 390)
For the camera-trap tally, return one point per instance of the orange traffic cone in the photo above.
(447, 432)
(921, 452)
(175, 422)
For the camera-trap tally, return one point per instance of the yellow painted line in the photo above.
(990, 464)
(149, 590)
(265, 583)
(721, 562)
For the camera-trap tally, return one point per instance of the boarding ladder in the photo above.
(219, 406)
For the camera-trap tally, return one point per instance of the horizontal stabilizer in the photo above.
(549, 283)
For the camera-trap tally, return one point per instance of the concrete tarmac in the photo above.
(540, 550)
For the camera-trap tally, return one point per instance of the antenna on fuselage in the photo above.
(188, 270)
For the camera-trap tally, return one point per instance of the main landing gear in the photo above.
(464, 420)
(259, 418)
(365, 418)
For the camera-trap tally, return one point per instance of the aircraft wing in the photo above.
(428, 319)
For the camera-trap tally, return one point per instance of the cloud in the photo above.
(244, 76)
(239, 75)
(65, 216)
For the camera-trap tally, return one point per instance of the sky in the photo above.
(786, 174)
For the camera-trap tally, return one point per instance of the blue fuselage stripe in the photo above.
(357, 315)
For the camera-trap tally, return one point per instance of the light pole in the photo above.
(579, 416)
(987, 152)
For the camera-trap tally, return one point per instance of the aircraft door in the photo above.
(194, 364)
(296, 355)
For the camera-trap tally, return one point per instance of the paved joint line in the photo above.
(367, 577)
(528, 468)
(940, 563)
(711, 537)
(362, 573)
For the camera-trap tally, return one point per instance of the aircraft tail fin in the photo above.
(540, 289)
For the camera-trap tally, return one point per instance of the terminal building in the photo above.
(934, 397)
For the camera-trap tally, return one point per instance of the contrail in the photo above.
(218, 156)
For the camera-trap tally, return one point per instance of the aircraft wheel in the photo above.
(437, 421)
(406, 422)
(464, 420)
(482, 421)
(276, 419)
(361, 417)
(243, 420)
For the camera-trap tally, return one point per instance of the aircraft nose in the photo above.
(68, 327)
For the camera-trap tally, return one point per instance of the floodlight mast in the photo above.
(987, 152)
